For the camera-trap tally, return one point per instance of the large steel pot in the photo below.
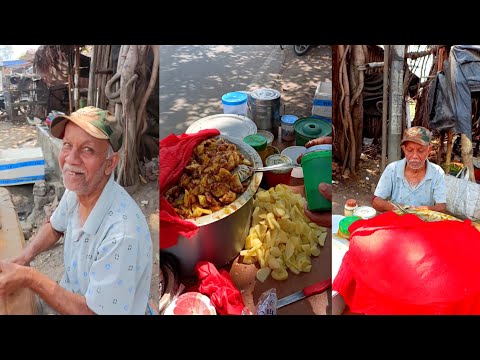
(221, 235)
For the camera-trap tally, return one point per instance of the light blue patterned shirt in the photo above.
(430, 191)
(109, 259)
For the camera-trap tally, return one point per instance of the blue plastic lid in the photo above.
(234, 98)
(322, 147)
(289, 119)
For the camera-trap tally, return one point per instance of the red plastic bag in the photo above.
(175, 153)
(219, 287)
(399, 264)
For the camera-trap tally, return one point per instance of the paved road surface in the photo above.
(193, 79)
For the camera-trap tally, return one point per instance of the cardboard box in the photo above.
(322, 102)
(21, 166)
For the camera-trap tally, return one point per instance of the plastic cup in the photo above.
(317, 168)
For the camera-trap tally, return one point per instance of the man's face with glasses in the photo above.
(83, 160)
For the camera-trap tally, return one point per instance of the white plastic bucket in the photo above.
(235, 103)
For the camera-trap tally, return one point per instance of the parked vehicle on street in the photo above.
(299, 50)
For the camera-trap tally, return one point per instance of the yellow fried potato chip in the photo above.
(275, 251)
(263, 273)
(289, 250)
(321, 239)
(280, 274)
(314, 250)
(274, 263)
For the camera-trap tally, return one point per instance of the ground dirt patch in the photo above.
(359, 186)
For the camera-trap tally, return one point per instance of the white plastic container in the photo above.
(267, 135)
(365, 212)
(293, 152)
(288, 130)
(235, 103)
(322, 103)
(21, 166)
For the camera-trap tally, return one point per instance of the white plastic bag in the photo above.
(463, 196)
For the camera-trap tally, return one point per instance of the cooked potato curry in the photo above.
(207, 183)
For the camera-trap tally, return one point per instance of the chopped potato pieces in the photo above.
(281, 236)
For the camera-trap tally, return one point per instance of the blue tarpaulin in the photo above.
(12, 63)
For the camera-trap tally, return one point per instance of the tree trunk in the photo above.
(356, 103)
(142, 127)
(347, 118)
(335, 97)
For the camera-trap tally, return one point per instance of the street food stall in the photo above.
(252, 235)
(418, 262)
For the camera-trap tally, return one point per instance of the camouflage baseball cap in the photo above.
(417, 134)
(99, 123)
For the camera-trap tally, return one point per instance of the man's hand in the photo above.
(12, 277)
(382, 205)
(420, 207)
(326, 190)
(318, 141)
(19, 260)
(322, 218)
(440, 207)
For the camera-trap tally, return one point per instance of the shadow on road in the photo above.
(194, 78)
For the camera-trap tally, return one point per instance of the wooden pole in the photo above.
(69, 83)
(448, 156)
(449, 151)
(77, 77)
(440, 147)
(396, 102)
(386, 55)
(91, 78)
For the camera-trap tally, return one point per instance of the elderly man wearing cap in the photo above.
(107, 242)
(414, 180)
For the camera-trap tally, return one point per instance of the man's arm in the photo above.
(439, 193)
(381, 205)
(384, 190)
(45, 238)
(61, 300)
(14, 276)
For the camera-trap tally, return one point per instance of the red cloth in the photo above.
(175, 153)
(219, 287)
(399, 264)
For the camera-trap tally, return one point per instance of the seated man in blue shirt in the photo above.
(414, 180)
(107, 242)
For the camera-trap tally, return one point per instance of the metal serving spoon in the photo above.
(244, 172)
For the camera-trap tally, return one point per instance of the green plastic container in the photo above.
(258, 142)
(317, 168)
(310, 128)
(345, 224)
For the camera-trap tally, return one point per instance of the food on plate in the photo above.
(281, 236)
(427, 215)
(344, 224)
(191, 303)
(207, 183)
